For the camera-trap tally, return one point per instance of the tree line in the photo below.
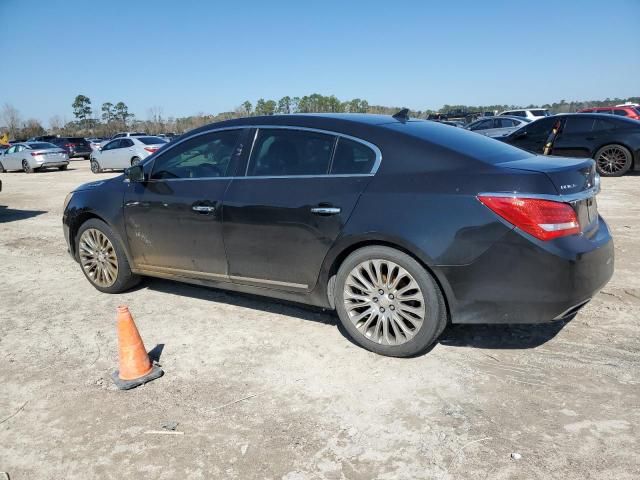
(112, 117)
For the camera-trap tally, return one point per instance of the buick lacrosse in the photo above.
(399, 225)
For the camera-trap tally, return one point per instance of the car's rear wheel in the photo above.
(62, 167)
(135, 161)
(613, 160)
(2, 170)
(103, 259)
(95, 166)
(26, 167)
(388, 303)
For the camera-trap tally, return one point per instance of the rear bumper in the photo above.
(520, 280)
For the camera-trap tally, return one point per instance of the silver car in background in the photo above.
(497, 126)
(124, 152)
(32, 156)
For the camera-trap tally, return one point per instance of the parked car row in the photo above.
(612, 141)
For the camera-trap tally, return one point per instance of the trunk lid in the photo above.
(568, 175)
(575, 179)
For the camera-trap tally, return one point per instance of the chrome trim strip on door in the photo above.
(180, 272)
(269, 282)
(144, 268)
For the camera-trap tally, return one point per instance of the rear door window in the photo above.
(601, 125)
(621, 112)
(284, 152)
(577, 125)
(352, 158)
(126, 142)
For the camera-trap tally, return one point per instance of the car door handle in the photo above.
(326, 210)
(203, 208)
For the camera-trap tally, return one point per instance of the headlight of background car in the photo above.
(67, 199)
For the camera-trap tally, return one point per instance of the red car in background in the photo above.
(629, 111)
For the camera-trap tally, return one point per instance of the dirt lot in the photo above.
(563, 399)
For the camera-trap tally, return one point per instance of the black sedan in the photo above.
(401, 226)
(614, 142)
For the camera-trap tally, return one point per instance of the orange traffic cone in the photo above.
(135, 366)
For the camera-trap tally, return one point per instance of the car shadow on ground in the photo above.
(12, 215)
(244, 300)
(501, 336)
(474, 336)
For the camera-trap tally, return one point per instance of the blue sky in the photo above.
(189, 57)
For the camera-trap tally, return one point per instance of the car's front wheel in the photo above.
(388, 303)
(62, 167)
(2, 170)
(613, 160)
(103, 259)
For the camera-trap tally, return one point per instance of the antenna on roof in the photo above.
(402, 115)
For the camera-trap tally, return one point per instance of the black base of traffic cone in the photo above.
(156, 372)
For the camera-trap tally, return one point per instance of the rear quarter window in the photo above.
(352, 158)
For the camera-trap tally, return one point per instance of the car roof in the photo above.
(603, 116)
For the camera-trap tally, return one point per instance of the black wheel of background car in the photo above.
(613, 160)
(388, 303)
(26, 167)
(2, 170)
(135, 161)
(95, 166)
(102, 258)
(62, 167)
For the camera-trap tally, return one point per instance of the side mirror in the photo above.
(134, 173)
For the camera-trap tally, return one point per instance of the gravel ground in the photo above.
(262, 389)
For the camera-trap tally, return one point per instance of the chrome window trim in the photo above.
(374, 169)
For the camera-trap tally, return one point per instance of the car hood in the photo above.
(98, 184)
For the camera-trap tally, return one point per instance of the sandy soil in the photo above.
(563, 399)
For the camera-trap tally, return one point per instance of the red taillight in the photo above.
(544, 219)
(151, 149)
(69, 145)
(35, 154)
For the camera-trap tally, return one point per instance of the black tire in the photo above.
(135, 161)
(62, 167)
(95, 167)
(2, 170)
(613, 160)
(125, 279)
(26, 168)
(435, 319)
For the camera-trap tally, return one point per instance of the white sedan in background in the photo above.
(31, 156)
(124, 152)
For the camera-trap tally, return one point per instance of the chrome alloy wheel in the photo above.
(612, 160)
(98, 257)
(384, 302)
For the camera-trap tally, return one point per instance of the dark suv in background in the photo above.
(74, 146)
